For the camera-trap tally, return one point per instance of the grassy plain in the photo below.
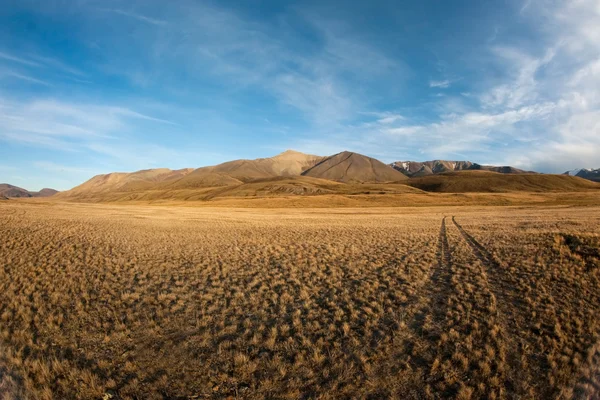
(152, 302)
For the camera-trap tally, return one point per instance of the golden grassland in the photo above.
(152, 302)
(358, 196)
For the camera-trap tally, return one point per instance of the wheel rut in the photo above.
(511, 313)
(440, 278)
(430, 306)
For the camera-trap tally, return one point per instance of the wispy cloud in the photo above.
(140, 17)
(66, 126)
(11, 74)
(53, 63)
(19, 60)
(440, 84)
(251, 56)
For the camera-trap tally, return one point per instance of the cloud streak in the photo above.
(10, 57)
(139, 17)
(440, 84)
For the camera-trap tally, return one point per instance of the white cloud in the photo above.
(66, 126)
(390, 119)
(440, 84)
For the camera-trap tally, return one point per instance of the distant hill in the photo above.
(292, 173)
(586, 173)
(353, 167)
(287, 174)
(288, 163)
(495, 182)
(7, 190)
(11, 191)
(123, 182)
(45, 192)
(426, 168)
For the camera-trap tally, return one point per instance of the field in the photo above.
(154, 302)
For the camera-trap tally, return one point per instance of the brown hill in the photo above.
(494, 182)
(502, 170)
(232, 173)
(45, 192)
(122, 182)
(200, 178)
(288, 163)
(280, 186)
(9, 191)
(353, 167)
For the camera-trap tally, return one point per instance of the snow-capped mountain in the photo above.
(586, 173)
(417, 168)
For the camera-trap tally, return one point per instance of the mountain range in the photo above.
(426, 168)
(294, 173)
(10, 191)
(586, 173)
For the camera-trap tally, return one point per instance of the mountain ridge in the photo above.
(353, 167)
(433, 167)
(292, 173)
(11, 191)
(585, 173)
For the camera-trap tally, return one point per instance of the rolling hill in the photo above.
(290, 173)
(288, 163)
(296, 174)
(495, 182)
(353, 167)
(123, 182)
(11, 191)
(426, 168)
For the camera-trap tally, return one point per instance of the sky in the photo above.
(90, 87)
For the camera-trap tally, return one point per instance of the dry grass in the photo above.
(140, 302)
(479, 181)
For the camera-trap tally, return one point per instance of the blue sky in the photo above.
(89, 87)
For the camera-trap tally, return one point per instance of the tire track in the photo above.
(513, 317)
(440, 278)
(430, 307)
(439, 283)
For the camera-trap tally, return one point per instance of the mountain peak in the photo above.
(585, 173)
(348, 166)
(424, 168)
(292, 153)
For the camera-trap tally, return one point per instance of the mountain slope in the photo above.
(232, 173)
(586, 173)
(426, 168)
(9, 191)
(123, 181)
(354, 167)
(45, 192)
(288, 163)
(494, 182)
